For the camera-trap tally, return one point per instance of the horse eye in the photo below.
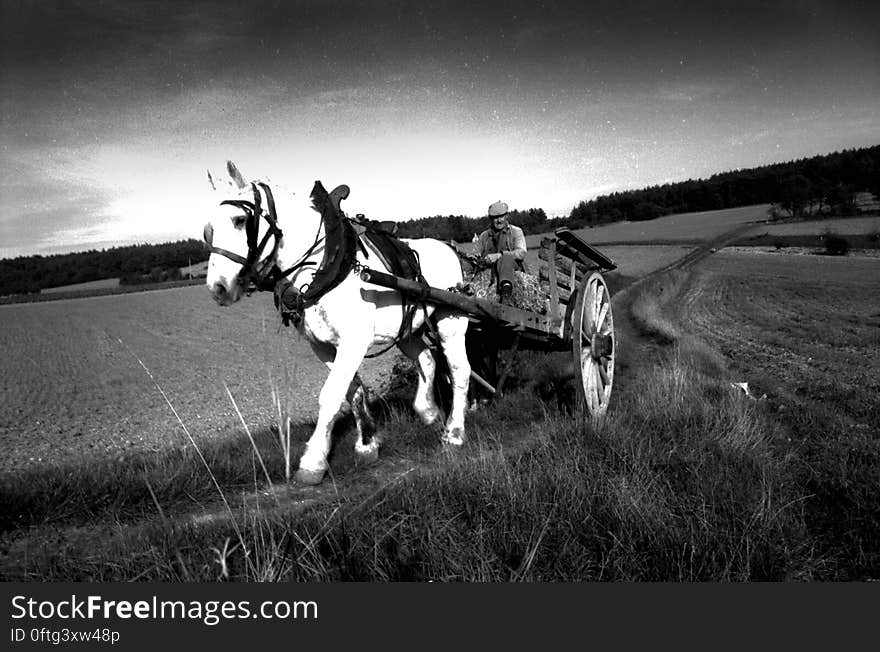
(238, 221)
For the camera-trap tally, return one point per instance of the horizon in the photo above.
(111, 114)
(100, 248)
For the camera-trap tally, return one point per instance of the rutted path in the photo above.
(633, 345)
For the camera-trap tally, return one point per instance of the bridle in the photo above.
(260, 272)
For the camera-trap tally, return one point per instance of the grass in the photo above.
(126, 490)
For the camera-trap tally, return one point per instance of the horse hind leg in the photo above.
(424, 404)
(452, 330)
(367, 443)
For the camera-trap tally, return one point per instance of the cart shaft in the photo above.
(479, 309)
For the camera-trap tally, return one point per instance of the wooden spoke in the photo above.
(602, 373)
(597, 383)
(603, 313)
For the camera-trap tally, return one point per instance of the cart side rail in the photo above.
(577, 249)
(567, 261)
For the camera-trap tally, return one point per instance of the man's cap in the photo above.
(498, 209)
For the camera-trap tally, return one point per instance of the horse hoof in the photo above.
(367, 454)
(304, 476)
(454, 438)
(429, 417)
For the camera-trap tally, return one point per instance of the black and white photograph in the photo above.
(463, 292)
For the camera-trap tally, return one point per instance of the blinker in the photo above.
(208, 234)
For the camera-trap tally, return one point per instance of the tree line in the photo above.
(462, 229)
(821, 184)
(145, 263)
(818, 185)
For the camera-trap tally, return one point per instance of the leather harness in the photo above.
(262, 273)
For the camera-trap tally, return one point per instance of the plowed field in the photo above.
(804, 327)
(71, 382)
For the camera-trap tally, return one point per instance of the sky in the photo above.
(112, 111)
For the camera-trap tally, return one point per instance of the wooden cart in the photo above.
(578, 315)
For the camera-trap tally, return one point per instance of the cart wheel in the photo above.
(593, 343)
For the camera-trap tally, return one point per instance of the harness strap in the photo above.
(409, 312)
(229, 254)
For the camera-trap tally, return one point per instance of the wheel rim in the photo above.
(594, 344)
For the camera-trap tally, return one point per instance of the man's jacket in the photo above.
(509, 240)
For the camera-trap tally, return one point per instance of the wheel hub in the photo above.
(601, 345)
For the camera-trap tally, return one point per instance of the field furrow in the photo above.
(808, 327)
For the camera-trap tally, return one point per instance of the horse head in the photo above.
(229, 233)
(246, 240)
(242, 259)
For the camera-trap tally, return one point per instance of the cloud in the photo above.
(54, 226)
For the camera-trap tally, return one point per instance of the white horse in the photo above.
(343, 323)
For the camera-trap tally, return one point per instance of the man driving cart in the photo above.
(504, 246)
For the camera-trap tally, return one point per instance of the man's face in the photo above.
(499, 223)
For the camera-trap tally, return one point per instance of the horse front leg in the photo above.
(336, 390)
(367, 443)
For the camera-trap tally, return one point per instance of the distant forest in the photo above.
(818, 185)
(133, 264)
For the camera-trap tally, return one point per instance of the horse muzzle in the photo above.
(225, 295)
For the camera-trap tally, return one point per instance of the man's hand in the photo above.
(493, 258)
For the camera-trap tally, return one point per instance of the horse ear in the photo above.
(211, 181)
(236, 175)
